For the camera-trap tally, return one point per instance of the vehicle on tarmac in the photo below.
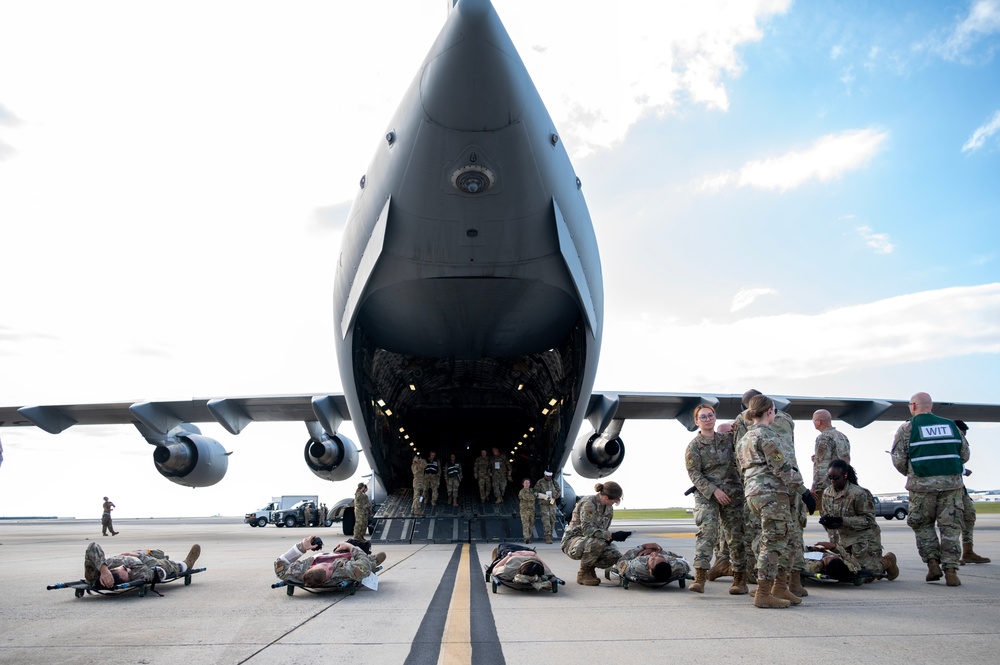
(296, 515)
(889, 509)
(262, 516)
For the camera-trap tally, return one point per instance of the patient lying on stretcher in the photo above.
(350, 560)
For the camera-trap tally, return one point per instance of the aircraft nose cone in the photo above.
(475, 81)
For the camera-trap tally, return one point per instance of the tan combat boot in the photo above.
(763, 597)
(548, 538)
(779, 589)
(192, 556)
(951, 577)
(739, 586)
(587, 576)
(889, 565)
(795, 585)
(968, 556)
(700, 575)
(721, 568)
(933, 570)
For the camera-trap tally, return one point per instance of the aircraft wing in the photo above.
(232, 413)
(607, 406)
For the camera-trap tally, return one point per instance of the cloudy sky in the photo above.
(798, 197)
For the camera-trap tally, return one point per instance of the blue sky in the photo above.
(797, 197)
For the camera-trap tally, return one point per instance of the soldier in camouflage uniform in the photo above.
(931, 451)
(526, 500)
(346, 562)
(650, 563)
(547, 506)
(138, 566)
(481, 472)
(362, 511)
(849, 514)
(711, 466)
(784, 427)
(417, 466)
(588, 539)
(500, 473)
(432, 479)
(453, 478)
(969, 521)
(770, 484)
(830, 445)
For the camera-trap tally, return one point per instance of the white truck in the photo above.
(262, 516)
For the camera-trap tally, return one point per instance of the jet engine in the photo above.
(191, 459)
(331, 457)
(598, 455)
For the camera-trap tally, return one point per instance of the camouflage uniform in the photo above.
(499, 473)
(355, 565)
(432, 481)
(830, 445)
(711, 465)
(309, 514)
(968, 519)
(362, 513)
(506, 569)
(526, 499)
(586, 537)
(142, 565)
(635, 566)
(934, 498)
(453, 478)
(547, 510)
(481, 472)
(106, 519)
(816, 567)
(770, 481)
(860, 534)
(751, 523)
(417, 466)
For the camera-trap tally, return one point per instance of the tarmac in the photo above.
(433, 605)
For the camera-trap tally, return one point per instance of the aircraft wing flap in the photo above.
(233, 413)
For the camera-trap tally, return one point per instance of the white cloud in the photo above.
(828, 158)
(982, 134)
(918, 327)
(880, 242)
(746, 297)
(664, 53)
(983, 20)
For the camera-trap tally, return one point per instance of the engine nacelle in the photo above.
(190, 459)
(331, 457)
(598, 455)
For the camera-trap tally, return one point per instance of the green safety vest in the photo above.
(935, 446)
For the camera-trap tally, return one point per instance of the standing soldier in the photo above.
(309, 513)
(931, 451)
(830, 445)
(500, 473)
(432, 478)
(969, 521)
(481, 472)
(547, 506)
(453, 478)
(711, 465)
(417, 467)
(526, 499)
(323, 513)
(362, 511)
(106, 518)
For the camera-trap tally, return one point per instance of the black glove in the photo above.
(691, 490)
(831, 522)
(317, 543)
(620, 536)
(810, 501)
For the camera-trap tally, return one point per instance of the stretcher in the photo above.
(499, 553)
(83, 586)
(349, 586)
(625, 580)
(857, 580)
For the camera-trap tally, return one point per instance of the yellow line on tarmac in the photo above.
(456, 646)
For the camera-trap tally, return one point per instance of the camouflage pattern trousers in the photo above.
(484, 487)
(591, 552)
(527, 521)
(774, 555)
(548, 514)
(452, 484)
(717, 523)
(867, 550)
(969, 521)
(945, 508)
(361, 519)
(418, 496)
(431, 485)
(499, 485)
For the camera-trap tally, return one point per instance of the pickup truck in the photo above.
(890, 509)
